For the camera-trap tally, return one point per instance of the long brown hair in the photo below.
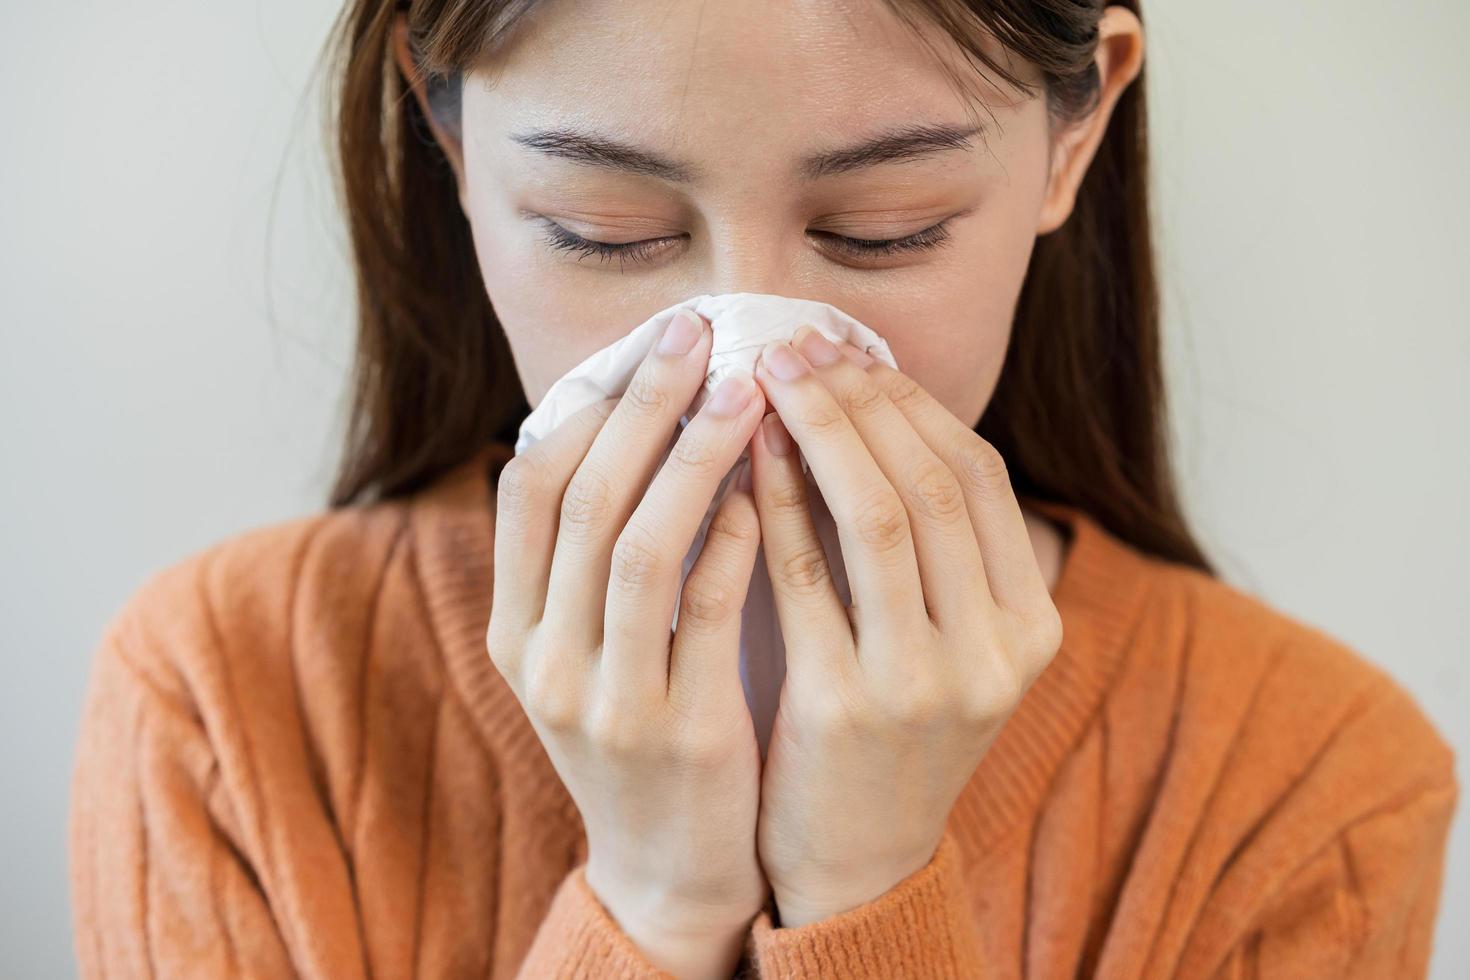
(1078, 413)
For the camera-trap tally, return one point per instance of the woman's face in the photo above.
(728, 139)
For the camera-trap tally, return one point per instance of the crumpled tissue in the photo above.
(742, 325)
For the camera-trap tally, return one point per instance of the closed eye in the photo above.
(560, 239)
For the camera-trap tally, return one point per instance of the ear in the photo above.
(447, 137)
(1119, 59)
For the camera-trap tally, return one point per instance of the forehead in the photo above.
(734, 75)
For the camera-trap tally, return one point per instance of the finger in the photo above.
(611, 479)
(872, 524)
(527, 496)
(648, 556)
(1011, 568)
(951, 572)
(810, 612)
(705, 661)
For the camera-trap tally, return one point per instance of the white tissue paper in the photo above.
(742, 324)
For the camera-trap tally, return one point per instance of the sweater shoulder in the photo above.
(293, 583)
(1263, 691)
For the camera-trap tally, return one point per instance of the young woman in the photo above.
(443, 728)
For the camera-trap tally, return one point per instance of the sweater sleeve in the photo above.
(923, 926)
(159, 886)
(164, 875)
(1362, 907)
(579, 938)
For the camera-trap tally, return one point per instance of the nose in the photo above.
(746, 260)
(763, 280)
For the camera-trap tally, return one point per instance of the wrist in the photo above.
(800, 903)
(687, 910)
(793, 914)
(687, 938)
(700, 954)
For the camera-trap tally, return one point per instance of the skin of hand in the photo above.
(649, 731)
(887, 706)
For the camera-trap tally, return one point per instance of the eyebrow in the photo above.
(893, 145)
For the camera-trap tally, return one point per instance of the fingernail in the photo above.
(817, 349)
(732, 395)
(743, 481)
(782, 361)
(681, 334)
(857, 356)
(778, 440)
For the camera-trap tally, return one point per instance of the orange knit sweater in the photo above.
(298, 760)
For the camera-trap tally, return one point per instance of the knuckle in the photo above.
(1042, 638)
(905, 392)
(732, 526)
(602, 410)
(863, 399)
(822, 419)
(552, 700)
(935, 491)
(787, 497)
(637, 557)
(587, 504)
(805, 571)
(644, 396)
(981, 466)
(880, 521)
(616, 729)
(694, 455)
(603, 729)
(518, 489)
(1009, 686)
(708, 599)
(834, 712)
(853, 711)
(504, 649)
(1048, 632)
(995, 695)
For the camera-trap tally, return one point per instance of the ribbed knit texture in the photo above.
(297, 758)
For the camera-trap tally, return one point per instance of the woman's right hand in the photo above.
(648, 729)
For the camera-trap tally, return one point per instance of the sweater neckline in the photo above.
(1099, 595)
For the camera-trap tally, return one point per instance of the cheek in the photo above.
(553, 317)
(950, 332)
(553, 320)
(956, 357)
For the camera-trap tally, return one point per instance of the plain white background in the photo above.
(175, 303)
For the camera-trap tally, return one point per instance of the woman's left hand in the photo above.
(888, 706)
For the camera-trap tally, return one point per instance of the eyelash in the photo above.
(561, 239)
